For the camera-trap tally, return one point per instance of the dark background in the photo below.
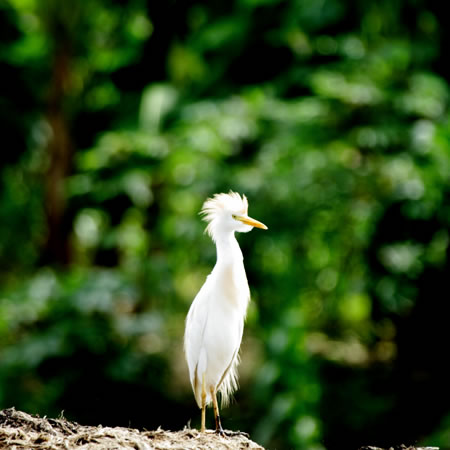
(118, 119)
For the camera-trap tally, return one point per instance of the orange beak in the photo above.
(252, 222)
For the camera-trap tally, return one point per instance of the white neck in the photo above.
(229, 272)
(228, 250)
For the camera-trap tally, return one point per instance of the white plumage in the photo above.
(215, 321)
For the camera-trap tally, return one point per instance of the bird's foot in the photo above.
(238, 433)
(221, 432)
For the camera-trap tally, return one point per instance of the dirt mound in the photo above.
(19, 430)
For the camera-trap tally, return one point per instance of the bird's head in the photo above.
(227, 213)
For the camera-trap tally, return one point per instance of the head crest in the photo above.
(214, 208)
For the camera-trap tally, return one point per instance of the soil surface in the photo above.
(19, 430)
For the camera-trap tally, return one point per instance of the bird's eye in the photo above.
(233, 216)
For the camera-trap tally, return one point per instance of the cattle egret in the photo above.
(215, 321)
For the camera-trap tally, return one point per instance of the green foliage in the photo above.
(333, 120)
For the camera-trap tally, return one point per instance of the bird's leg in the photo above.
(202, 429)
(219, 429)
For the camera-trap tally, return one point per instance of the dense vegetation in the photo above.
(120, 118)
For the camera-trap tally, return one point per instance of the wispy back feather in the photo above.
(229, 382)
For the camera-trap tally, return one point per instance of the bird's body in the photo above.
(215, 321)
(215, 324)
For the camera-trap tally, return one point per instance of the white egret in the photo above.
(215, 321)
